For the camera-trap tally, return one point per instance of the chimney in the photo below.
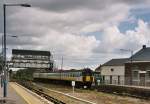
(144, 46)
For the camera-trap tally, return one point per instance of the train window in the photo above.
(148, 74)
(80, 74)
(76, 74)
(72, 74)
(65, 75)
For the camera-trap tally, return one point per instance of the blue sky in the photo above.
(136, 13)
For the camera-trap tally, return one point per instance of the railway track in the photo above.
(70, 96)
(43, 91)
(40, 92)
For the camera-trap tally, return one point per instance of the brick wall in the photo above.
(142, 69)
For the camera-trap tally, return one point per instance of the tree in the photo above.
(24, 74)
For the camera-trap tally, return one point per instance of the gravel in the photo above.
(93, 96)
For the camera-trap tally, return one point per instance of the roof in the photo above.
(142, 55)
(30, 52)
(98, 68)
(116, 62)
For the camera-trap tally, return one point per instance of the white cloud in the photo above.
(64, 30)
(112, 39)
(70, 44)
(60, 26)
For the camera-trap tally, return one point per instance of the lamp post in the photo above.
(4, 40)
(128, 50)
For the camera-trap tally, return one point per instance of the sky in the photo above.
(86, 33)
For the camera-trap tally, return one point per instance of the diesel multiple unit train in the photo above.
(84, 77)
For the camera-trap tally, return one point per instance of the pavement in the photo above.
(17, 94)
(12, 97)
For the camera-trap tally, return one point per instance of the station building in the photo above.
(137, 71)
(113, 71)
(130, 71)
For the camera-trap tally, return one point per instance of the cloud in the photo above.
(112, 39)
(69, 5)
(61, 26)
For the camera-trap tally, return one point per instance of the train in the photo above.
(82, 78)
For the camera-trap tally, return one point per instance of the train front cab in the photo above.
(87, 77)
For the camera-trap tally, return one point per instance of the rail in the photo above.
(82, 100)
(41, 93)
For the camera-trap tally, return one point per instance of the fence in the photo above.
(121, 80)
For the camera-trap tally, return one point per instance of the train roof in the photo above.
(72, 70)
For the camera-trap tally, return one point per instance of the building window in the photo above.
(118, 80)
(110, 79)
(103, 79)
(112, 69)
(135, 74)
(148, 74)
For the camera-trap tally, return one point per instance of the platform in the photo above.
(12, 97)
(20, 95)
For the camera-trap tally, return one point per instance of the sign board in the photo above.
(142, 72)
(85, 86)
(98, 82)
(73, 83)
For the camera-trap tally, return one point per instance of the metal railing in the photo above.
(139, 81)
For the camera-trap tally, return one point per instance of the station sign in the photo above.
(73, 83)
